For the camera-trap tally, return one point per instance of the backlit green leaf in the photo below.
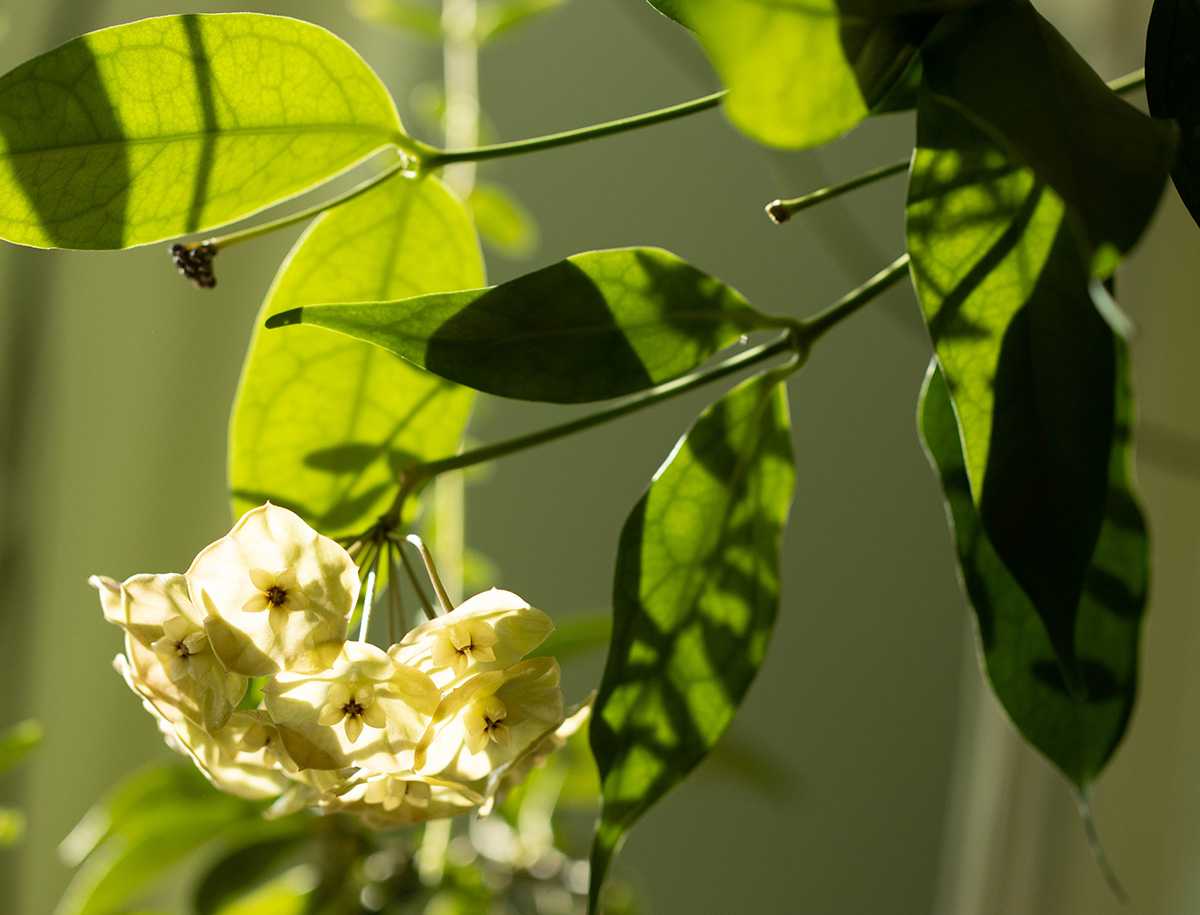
(17, 741)
(250, 866)
(597, 325)
(147, 842)
(1173, 87)
(174, 125)
(695, 596)
(503, 220)
(496, 17)
(411, 16)
(322, 423)
(802, 72)
(1077, 732)
(1028, 360)
(1012, 72)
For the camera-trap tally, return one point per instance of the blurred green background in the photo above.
(906, 791)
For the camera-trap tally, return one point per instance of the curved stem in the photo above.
(811, 330)
(404, 166)
(417, 474)
(431, 570)
(369, 595)
(432, 158)
(781, 211)
(426, 607)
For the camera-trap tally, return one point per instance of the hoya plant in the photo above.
(364, 720)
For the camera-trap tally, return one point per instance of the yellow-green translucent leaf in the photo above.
(802, 72)
(322, 423)
(177, 124)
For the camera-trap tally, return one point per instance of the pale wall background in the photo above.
(909, 793)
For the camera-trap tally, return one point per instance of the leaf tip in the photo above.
(284, 318)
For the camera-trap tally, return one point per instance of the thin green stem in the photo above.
(417, 474)
(432, 158)
(426, 607)
(395, 603)
(369, 595)
(224, 241)
(1128, 82)
(811, 330)
(781, 211)
(431, 570)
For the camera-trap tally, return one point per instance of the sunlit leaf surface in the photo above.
(323, 423)
(153, 821)
(1173, 87)
(1028, 360)
(174, 125)
(595, 326)
(1011, 71)
(802, 72)
(694, 601)
(1077, 732)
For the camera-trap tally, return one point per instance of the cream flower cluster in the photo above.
(433, 727)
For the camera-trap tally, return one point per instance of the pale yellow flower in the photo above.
(366, 710)
(276, 594)
(168, 652)
(386, 801)
(490, 720)
(224, 758)
(492, 630)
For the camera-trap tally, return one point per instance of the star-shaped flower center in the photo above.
(181, 641)
(278, 593)
(459, 644)
(355, 706)
(490, 719)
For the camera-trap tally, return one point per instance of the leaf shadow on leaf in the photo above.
(355, 457)
(459, 349)
(204, 94)
(880, 48)
(102, 175)
(1101, 682)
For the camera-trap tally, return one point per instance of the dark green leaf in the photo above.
(802, 72)
(595, 326)
(1010, 69)
(1173, 87)
(18, 740)
(322, 424)
(695, 596)
(1028, 359)
(248, 866)
(173, 125)
(1077, 732)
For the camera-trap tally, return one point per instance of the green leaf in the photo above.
(323, 424)
(1173, 87)
(496, 17)
(249, 867)
(18, 740)
(418, 19)
(143, 790)
(147, 842)
(802, 72)
(503, 220)
(174, 125)
(1027, 358)
(1077, 733)
(597, 325)
(1012, 72)
(695, 596)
